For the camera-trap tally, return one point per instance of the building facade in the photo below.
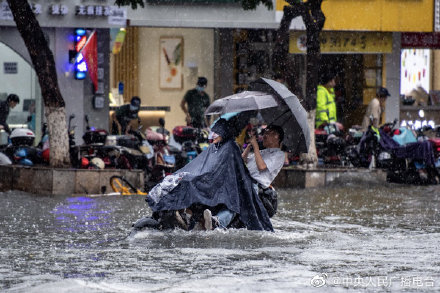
(212, 38)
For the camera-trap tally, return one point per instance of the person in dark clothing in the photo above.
(124, 114)
(11, 101)
(194, 104)
(217, 182)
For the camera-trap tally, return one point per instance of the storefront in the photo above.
(82, 96)
(363, 39)
(15, 73)
(420, 79)
(358, 60)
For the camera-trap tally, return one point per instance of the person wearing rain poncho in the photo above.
(217, 182)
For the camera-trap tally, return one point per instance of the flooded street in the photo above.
(351, 238)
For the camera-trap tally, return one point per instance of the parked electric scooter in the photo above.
(21, 150)
(163, 162)
(331, 144)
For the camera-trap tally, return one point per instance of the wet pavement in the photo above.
(344, 238)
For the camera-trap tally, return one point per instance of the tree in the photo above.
(44, 65)
(314, 20)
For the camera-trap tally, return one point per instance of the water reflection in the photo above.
(81, 213)
(349, 237)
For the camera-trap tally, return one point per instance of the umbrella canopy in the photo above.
(291, 115)
(277, 106)
(244, 101)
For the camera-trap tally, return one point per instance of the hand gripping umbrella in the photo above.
(277, 106)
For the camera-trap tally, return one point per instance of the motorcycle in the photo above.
(397, 151)
(331, 144)
(94, 139)
(21, 150)
(132, 151)
(163, 162)
(187, 142)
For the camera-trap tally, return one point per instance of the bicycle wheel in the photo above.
(122, 185)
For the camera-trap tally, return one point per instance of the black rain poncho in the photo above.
(217, 176)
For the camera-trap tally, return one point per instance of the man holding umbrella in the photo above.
(217, 181)
(263, 166)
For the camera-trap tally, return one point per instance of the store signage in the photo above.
(80, 66)
(80, 42)
(420, 40)
(344, 42)
(92, 10)
(415, 70)
(10, 68)
(118, 16)
(57, 9)
(5, 11)
(36, 8)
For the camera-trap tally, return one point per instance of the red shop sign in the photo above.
(421, 40)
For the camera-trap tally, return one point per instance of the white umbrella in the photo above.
(244, 101)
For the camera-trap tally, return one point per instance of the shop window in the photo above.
(252, 56)
(372, 76)
(17, 76)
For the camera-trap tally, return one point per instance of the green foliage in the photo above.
(133, 3)
(246, 4)
(252, 4)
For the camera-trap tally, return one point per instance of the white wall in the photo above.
(24, 84)
(198, 47)
(72, 90)
(206, 15)
(21, 83)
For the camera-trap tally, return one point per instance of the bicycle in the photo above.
(123, 186)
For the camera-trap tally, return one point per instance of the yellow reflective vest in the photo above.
(325, 106)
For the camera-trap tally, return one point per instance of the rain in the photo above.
(89, 59)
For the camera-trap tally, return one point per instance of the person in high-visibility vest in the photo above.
(325, 99)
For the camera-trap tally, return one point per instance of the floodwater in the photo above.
(345, 238)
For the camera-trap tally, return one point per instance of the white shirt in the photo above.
(373, 109)
(274, 160)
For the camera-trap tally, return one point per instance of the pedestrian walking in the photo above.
(375, 109)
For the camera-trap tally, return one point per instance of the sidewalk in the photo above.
(50, 181)
(297, 177)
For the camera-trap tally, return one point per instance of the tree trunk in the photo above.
(44, 65)
(314, 19)
(282, 62)
(310, 159)
(56, 117)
